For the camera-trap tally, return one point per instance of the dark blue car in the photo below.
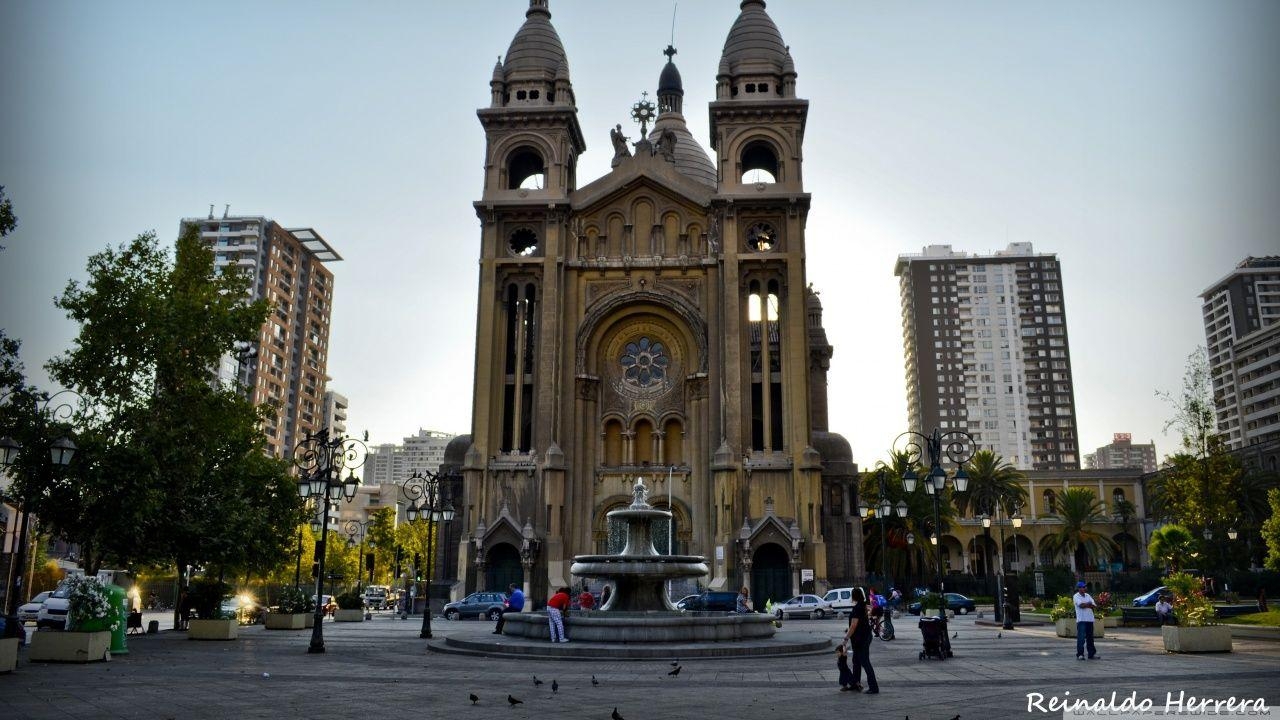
(956, 603)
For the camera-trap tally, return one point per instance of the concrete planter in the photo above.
(310, 621)
(1211, 638)
(285, 621)
(8, 655)
(1066, 628)
(1111, 621)
(349, 616)
(76, 647)
(213, 629)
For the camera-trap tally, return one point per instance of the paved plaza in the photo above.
(381, 669)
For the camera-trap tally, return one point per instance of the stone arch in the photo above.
(951, 554)
(683, 318)
(770, 575)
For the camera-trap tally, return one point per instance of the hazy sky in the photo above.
(1137, 140)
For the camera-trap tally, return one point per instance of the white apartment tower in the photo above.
(1241, 313)
(285, 365)
(390, 463)
(986, 352)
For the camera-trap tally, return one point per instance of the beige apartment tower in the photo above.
(986, 351)
(653, 322)
(285, 366)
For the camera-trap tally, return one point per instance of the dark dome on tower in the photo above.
(690, 159)
(536, 50)
(755, 41)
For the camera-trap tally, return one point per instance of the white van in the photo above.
(840, 599)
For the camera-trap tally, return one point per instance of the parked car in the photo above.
(243, 608)
(53, 611)
(712, 602)
(1150, 599)
(807, 605)
(956, 603)
(680, 604)
(487, 604)
(30, 612)
(840, 600)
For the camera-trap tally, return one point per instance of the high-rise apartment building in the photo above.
(1122, 454)
(286, 364)
(390, 463)
(335, 412)
(1240, 313)
(986, 351)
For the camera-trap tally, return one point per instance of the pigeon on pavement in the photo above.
(675, 672)
(474, 698)
(555, 686)
(536, 681)
(594, 681)
(514, 701)
(615, 715)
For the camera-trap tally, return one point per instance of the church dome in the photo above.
(536, 50)
(690, 159)
(754, 40)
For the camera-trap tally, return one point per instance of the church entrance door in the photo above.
(502, 568)
(770, 576)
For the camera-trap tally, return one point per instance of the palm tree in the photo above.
(1172, 544)
(992, 480)
(919, 520)
(1078, 511)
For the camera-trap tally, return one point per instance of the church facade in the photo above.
(655, 322)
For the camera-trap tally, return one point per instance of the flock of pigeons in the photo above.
(512, 700)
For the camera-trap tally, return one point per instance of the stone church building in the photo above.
(653, 322)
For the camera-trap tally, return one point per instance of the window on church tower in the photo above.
(521, 342)
(766, 365)
(759, 163)
(526, 169)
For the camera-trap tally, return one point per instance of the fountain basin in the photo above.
(645, 627)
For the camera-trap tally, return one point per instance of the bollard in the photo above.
(153, 627)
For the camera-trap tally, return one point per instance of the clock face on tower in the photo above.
(761, 237)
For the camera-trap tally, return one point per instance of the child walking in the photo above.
(847, 682)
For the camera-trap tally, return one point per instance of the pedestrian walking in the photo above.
(859, 636)
(1084, 622)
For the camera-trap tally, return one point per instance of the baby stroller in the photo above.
(933, 631)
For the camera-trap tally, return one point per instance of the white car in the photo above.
(30, 612)
(53, 612)
(808, 605)
(840, 600)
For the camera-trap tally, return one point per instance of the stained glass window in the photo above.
(644, 363)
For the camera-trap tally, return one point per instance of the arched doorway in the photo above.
(770, 576)
(502, 568)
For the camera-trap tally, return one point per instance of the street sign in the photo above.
(806, 574)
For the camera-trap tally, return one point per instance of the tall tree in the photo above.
(8, 221)
(1271, 532)
(1079, 512)
(187, 454)
(992, 482)
(1172, 544)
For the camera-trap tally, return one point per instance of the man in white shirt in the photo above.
(1164, 611)
(1084, 622)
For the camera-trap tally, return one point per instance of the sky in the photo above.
(1135, 139)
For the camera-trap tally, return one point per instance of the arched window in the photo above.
(765, 333)
(526, 169)
(673, 443)
(613, 443)
(642, 448)
(1117, 497)
(521, 341)
(759, 163)
(1050, 501)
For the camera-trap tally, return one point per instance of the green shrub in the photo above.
(350, 600)
(1190, 605)
(294, 601)
(205, 596)
(1063, 609)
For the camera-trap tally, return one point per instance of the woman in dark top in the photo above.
(859, 633)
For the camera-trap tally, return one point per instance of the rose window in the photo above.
(644, 363)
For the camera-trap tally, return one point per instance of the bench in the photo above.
(1135, 616)
(1230, 611)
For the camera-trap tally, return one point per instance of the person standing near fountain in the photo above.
(556, 607)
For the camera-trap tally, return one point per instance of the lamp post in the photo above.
(355, 528)
(58, 454)
(954, 445)
(322, 459)
(882, 510)
(427, 501)
(1015, 518)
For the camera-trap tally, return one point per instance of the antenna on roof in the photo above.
(226, 211)
(674, 5)
(210, 211)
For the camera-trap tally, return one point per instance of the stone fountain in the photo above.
(638, 573)
(638, 610)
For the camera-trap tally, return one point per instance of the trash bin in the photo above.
(153, 627)
(120, 602)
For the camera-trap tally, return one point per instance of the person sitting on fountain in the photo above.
(744, 601)
(586, 601)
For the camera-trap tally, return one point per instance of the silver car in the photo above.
(30, 612)
(808, 605)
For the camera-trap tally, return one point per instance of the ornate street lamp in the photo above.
(322, 459)
(955, 446)
(61, 408)
(429, 501)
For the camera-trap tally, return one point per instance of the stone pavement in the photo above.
(382, 669)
